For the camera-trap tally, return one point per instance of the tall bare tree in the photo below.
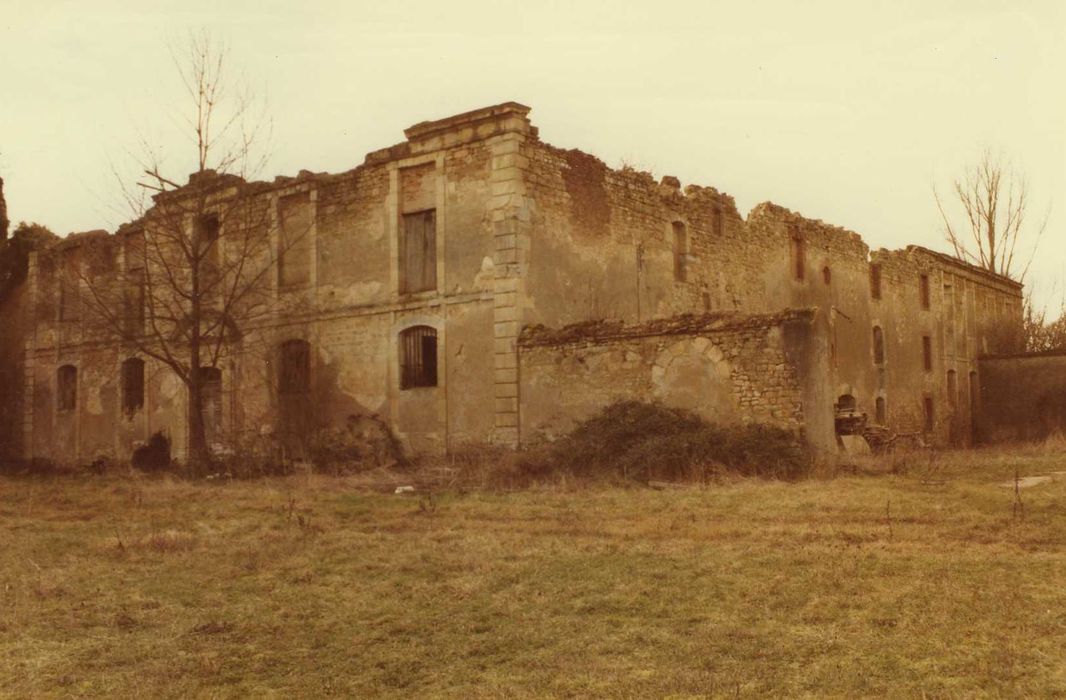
(194, 270)
(994, 202)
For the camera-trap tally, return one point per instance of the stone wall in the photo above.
(1023, 397)
(727, 367)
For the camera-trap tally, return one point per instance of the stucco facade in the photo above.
(515, 238)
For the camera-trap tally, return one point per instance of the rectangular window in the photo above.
(70, 286)
(717, 220)
(206, 229)
(923, 290)
(799, 264)
(875, 281)
(927, 407)
(927, 353)
(294, 240)
(418, 252)
(680, 252)
(132, 385)
(133, 304)
(67, 388)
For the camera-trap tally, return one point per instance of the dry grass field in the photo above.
(920, 583)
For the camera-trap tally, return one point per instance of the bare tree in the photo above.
(994, 200)
(194, 268)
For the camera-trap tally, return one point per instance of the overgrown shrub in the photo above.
(154, 455)
(642, 441)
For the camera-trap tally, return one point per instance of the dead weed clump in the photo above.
(639, 441)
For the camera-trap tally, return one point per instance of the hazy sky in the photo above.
(844, 111)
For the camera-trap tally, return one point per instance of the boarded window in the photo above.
(879, 346)
(295, 368)
(953, 389)
(798, 254)
(418, 252)
(680, 252)
(418, 357)
(879, 410)
(67, 388)
(927, 409)
(927, 353)
(875, 281)
(923, 290)
(294, 240)
(132, 385)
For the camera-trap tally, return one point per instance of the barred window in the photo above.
(67, 387)
(418, 357)
(132, 385)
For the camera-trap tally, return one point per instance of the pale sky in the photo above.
(843, 111)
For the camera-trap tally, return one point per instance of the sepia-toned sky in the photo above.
(846, 111)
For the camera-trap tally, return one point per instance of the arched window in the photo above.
(132, 385)
(879, 346)
(294, 368)
(418, 357)
(67, 388)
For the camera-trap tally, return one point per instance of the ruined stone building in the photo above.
(475, 284)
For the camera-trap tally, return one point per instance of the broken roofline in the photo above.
(511, 116)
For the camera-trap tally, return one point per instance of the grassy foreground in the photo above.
(918, 584)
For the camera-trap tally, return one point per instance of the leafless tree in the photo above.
(193, 272)
(994, 201)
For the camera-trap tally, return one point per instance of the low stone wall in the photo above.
(1023, 397)
(729, 368)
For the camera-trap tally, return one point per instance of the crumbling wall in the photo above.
(1023, 397)
(729, 368)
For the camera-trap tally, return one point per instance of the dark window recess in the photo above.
(295, 368)
(927, 406)
(875, 281)
(680, 252)
(418, 252)
(67, 387)
(927, 353)
(418, 357)
(132, 385)
(827, 274)
(879, 346)
(717, 220)
(953, 389)
(879, 408)
(923, 290)
(799, 264)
